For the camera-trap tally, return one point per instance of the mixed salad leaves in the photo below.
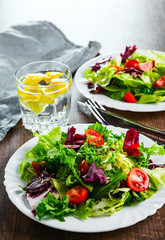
(89, 174)
(133, 77)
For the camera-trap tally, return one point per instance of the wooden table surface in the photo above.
(115, 24)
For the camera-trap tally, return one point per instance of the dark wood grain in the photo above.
(143, 24)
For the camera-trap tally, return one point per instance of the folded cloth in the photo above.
(35, 41)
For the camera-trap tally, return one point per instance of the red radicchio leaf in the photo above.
(131, 137)
(74, 140)
(70, 136)
(128, 52)
(79, 139)
(95, 88)
(132, 71)
(94, 174)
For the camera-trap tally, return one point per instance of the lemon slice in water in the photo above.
(52, 75)
(32, 79)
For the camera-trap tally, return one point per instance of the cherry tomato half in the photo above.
(141, 66)
(133, 150)
(77, 195)
(128, 97)
(145, 66)
(83, 168)
(160, 82)
(95, 137)
(36, 164)
(138, 180)
(131, 63)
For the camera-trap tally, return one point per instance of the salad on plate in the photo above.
(87, 175)
(134, 77)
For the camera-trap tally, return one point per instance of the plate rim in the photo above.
(63, 225)
(107, 101)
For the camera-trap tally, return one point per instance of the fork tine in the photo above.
(95, 112)
(96, 103)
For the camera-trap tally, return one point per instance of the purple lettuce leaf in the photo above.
(70, 136)
(95, 174)
(95, 88)
(74, 140)
(131, 137)
(79, 139)
(97, 66)
(128, 52)
(39, 184)
(132, 71)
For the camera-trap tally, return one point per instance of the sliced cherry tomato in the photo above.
(77, 195)
(83, 168)
(160, 82)
(128, 97)
(141, 66)
(138, 180)
(133, 150)
(36, 164)
(131, 63)
(95, 137)
(117, 68)
(146, 66)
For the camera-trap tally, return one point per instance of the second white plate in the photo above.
(81, 84)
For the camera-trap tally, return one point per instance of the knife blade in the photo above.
(117, 120)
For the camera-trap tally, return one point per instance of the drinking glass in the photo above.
(44, 92)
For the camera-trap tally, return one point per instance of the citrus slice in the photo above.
(34, 89)
(34, 106)
(26, 95)
(31, 101)
(59, 86)
(52, 75)
(32, 79)
(46, 99)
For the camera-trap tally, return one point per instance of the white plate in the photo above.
(124, 218)
(81, 84)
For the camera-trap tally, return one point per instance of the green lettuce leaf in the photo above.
(60, 187)
(142, 196)
(148, 98)
(83, 211)
(54, 208)
(146, 152)
(140, 57)
(26, 172)
(157, 175)
(123, 162)
(45, 144)
(112, 204)
(131, 81)
(62, 156)
(102, 77)
(101, 191)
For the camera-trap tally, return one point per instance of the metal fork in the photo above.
(94, 106)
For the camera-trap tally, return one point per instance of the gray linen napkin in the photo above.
(34, 41)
